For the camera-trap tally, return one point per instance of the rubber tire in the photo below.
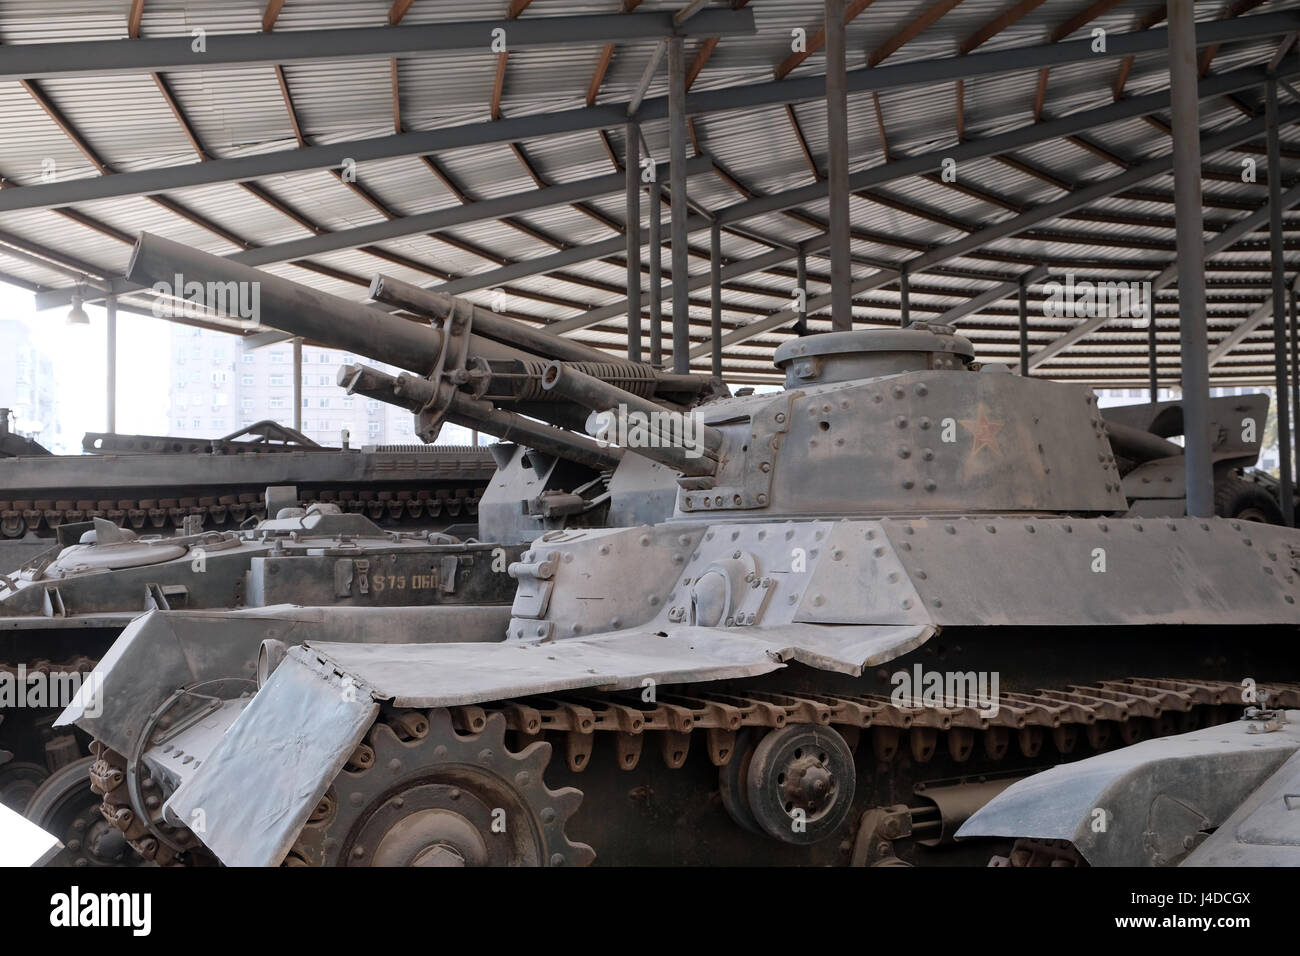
(1234, 496)
(67, 790)
(57, 789)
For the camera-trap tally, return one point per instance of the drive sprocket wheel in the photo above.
(417, 793)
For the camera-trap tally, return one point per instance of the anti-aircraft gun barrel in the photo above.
(440, 305)
(693, 455)
(512, 373)
(413, 393)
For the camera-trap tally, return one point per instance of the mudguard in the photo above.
(1152, 803)
(261, 781)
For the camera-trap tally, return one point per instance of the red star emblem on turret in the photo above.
(983, 431)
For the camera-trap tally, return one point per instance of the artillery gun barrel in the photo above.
(298, 309)
(355, 327)
(414, 393)
(1139, 444)
(440, 305)
(691, 455)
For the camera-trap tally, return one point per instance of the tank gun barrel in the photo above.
(414, 393)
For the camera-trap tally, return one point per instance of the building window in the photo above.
(347, 402)
(278, 380)
(276, 401)
(246, 404)
(247, 358)
(277, 358)
(306, 403)
(246, 380)
(372, 429)
(324, 403)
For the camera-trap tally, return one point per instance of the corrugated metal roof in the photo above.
(241, 110)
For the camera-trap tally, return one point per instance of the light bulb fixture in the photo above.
(77, 315)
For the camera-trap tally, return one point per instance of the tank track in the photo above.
(61, 745)
(1108, 714)
(78, 665)
(17, 517)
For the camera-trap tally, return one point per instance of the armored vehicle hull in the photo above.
(60, 614)
(819, 625)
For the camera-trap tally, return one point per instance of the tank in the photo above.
(1218, 796)
(153, 483)
(823, 625)
(61, 611)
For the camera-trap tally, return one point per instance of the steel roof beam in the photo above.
(423, 223)
(1235, 337)
(1229, 237)
(997, 293)
(876, 175)
(731, 270)
(1017, 224)
(26, 61)
(511, 129)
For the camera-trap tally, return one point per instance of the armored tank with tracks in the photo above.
(59, 613)
(822, 625)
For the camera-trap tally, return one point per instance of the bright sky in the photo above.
(79, 357)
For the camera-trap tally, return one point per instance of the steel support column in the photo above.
(1185, 121)
(904, 299)
(1279, 306)
(1022, 296)
(801, 292)
(656, 277)
(1153, 356)
(837, 130)
(110, 310)
(1295, 375)
(677, 184)
(715, 288)
(632, 161)
(297, 384)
